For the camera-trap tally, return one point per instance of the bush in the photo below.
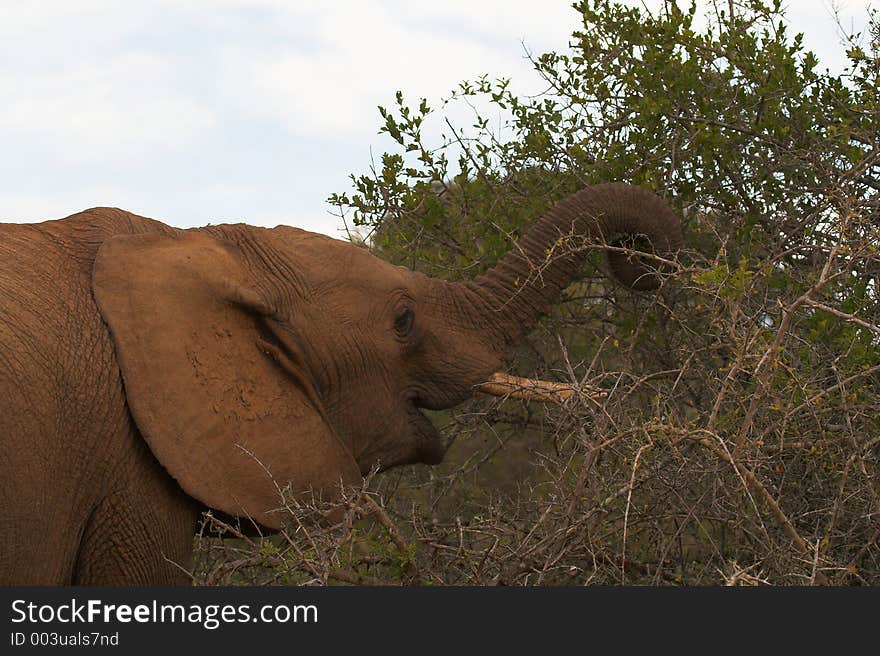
(739, 436)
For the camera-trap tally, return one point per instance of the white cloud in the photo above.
(190, 110)
(358, 54)
(47, 206)
(96, 110)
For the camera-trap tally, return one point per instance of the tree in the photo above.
(739, 438)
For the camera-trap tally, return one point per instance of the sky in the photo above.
(198, 111)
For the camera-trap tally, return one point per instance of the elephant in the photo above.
(148, 373)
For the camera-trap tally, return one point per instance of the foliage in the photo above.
(740, 436)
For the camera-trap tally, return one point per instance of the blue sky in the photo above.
(197, 111)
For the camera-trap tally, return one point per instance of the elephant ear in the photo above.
(228, 423)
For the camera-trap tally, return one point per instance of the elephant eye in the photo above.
(403, 324)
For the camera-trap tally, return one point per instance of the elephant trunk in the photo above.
(511, 297)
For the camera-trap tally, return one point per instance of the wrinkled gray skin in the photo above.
(144, 370)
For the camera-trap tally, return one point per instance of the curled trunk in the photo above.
(545, 260)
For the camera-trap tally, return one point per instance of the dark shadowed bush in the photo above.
(739, 436)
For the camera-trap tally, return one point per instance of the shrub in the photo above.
(738, 441)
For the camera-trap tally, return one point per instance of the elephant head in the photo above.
(254, 359)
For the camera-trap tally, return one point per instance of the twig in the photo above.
(534, 390)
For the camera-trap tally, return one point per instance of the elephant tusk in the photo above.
(533, 390)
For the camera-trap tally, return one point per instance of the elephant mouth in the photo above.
(430, 444)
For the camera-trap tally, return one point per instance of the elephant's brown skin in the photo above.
(148, 372)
